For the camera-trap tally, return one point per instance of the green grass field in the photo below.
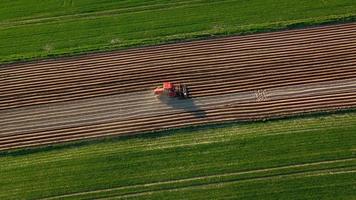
(300, 158)
(42, 28)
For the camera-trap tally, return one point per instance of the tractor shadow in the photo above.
(187, 105)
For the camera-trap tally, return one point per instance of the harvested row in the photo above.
(248, 62)
(240, 112)
(124, 107)
(247, 71)
(235, 78)
(199, 87)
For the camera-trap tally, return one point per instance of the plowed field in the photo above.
(234, 78)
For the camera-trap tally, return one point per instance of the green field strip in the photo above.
(184, 158)
(87, 25)
(37, 9)
(101, 14)
(283, 186)
(253, 175)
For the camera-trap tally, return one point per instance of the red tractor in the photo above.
(171, 90)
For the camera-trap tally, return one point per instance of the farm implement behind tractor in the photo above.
(171, 90)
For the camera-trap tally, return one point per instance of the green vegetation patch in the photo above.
(43, 28)
(305, 158)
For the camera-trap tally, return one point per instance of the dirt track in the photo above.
(234, 78)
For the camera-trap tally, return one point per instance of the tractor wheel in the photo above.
(185, 92)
